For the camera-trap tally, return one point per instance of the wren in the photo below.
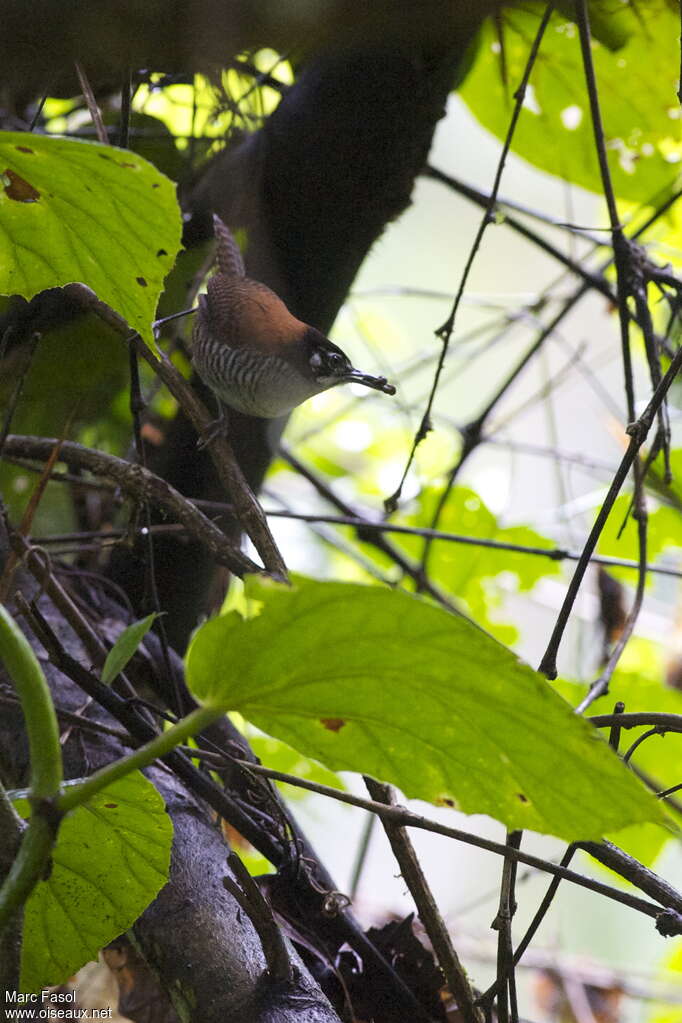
(253, 353)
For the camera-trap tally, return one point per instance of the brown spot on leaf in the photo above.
(521, 797)
(110, 806)
(141, 281)
(333, 724)
(103, 156)
(18, 188)
(446, 801)
(155, 185)
(23, 149)
(123, 164)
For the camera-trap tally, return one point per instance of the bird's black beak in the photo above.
(354, 376)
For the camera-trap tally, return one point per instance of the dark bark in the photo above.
(314, 189)
(39, 51)
(194, 934)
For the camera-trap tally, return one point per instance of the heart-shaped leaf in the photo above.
(76, 211)
(378, 681)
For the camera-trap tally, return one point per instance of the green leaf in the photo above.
(639, 684)
(375, 680)
(637, 92)
(466, 570)
(75, 211)
(110, 860)
(619, 538)
(125, 646)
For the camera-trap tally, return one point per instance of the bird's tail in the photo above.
(227, 255)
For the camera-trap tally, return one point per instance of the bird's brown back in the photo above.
(246, 313)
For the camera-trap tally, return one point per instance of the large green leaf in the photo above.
(374, 680)
(76, 211)
(110, 860)
(637, 92)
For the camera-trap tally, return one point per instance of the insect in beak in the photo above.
(354, 376)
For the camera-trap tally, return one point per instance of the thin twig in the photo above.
(361, 855)
(366, 525)
(249, 896)
(402, 817)
(601, 686)
(505, 984)
(396, 555)
(625, 274)
(429, 914)
(247, 508)
(140, 728)
(38, 564)
(91, 103)
(472, 432)
(540, 914)
(141, 485)
(446, 330)
(137, 407)
(639, 719)
(29, 513)
(481, 198)
(18, 385)
(596, 280)
(68, 716)
(639, 740)
(38, 110)
(638, 432)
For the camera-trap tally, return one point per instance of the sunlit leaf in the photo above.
(110, 860)
(637, 93)
(374, 680)
(76, 211)
(125, 646)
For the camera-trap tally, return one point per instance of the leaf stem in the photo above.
(28, 867)
(143, 757)
(36, 703)
(46, 766)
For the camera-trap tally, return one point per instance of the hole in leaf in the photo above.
(141, 281)
(521, 797)
(161, 252)
(333, 724)
(18, 188)
(110, 806)
(23, 149)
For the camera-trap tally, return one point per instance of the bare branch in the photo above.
(141, 485)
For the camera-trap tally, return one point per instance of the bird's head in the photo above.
(330, 366)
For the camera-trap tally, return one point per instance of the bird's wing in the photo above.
(227, 256)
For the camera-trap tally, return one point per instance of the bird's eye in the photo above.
(335, 360)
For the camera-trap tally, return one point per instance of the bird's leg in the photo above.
(216, 428)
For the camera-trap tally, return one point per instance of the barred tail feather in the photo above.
(228, 257)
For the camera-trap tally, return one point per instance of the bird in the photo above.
(253, 353)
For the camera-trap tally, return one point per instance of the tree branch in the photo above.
(141, 485)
